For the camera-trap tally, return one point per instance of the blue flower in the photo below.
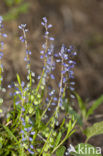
(31, 146)
(51, 38)
(31, 139)
(52, 76)
(31, 152)
(50, 26)
(1, 19)
(4, 35)
(32, 133)
(45, 19)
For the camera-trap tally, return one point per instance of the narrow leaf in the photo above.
(81, 105)
(58, 139)
(10, 134)
(95, 105)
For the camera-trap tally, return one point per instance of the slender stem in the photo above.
(61, 85)
(46, 109)
(60, 94)
(28, 57)
(45, 61)
(67, 136)
(41, 137)
(26, 45)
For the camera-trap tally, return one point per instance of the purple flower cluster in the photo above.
(47, 26)
(18, 91)
(66, 59)
(24, 40)
(50, 64)
(47, 53)
(1, 48)
(27, 133)
(28, 52)
(21, 101)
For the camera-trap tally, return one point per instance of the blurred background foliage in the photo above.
(10, 3)
(15, 8)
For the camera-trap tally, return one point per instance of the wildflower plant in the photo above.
(36, 131)
(33, 126)
(1, 50)
(2, 35)
(31, 130)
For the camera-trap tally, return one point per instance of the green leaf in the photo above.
(19, 81)
(62, 124)
(75, 115)
(21, 152)
(72, 113)
(95, 105)
(13, 153)
(70, 127)
(45, 154)
(60, 151)
(94, 130)
(38, 116)
(81, 105)
(18, 78)
(58, 139)
(87, 150)
(1, 142)
(10, 134)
